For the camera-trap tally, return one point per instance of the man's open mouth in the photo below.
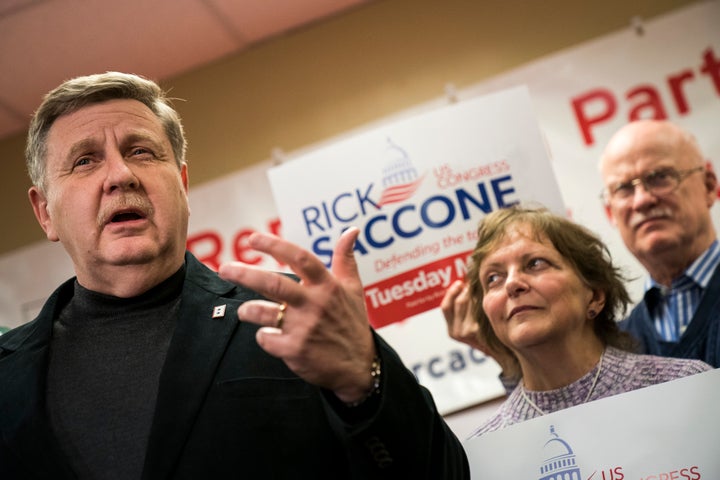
(126, 217)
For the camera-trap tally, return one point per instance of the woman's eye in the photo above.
(537, 263)
(491, 279)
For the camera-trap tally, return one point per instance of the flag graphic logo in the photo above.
(400, 178)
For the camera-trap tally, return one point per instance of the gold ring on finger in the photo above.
(280, 316)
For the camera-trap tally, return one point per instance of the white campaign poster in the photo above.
(417, 188)
(667, 68)
(668, 431)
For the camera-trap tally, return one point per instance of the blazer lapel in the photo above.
(24, 424)
(206, 324)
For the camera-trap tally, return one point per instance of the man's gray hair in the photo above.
(80, 92)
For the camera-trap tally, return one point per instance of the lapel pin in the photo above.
(218, 311)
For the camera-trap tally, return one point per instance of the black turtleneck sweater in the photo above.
(105, 360)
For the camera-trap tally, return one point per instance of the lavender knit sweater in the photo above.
(621, 372)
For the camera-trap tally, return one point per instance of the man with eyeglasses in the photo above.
(659, 190)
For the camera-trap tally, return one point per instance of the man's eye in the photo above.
(659, 178)
(623, 189)
(82, 161)
(139, 151)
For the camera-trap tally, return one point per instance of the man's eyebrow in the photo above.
(141, 137)
(79, 148)
(135, 136)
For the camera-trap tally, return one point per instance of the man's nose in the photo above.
(119, 173)
(642, 197)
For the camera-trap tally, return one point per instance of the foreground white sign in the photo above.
(669, 431)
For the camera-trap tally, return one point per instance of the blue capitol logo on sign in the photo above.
(560, 463)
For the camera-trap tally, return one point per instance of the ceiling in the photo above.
(43, 42)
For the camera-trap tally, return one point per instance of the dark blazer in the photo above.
(226, 409)
(701, 338)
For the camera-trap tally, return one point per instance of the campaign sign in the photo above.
(417, 188)
(668, 431)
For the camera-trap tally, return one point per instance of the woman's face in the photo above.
(531, 294)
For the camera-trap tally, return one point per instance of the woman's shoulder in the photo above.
(656, 369)
(492, 424)
(509, 412)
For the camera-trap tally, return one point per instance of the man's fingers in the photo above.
(274, 336)
(304, 263)
(344, 265)
(271, 340)
(263, 313)
(272, 285)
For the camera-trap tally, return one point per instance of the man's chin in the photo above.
(140, 250)
(131, 253)
(130, 259)
(657, 243)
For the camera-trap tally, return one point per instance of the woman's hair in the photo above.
(80, 92)
(583, 250)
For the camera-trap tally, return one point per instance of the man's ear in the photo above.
(39, 203)
(184, 176)
(609, 215)
(711, 184)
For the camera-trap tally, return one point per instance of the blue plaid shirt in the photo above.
(673, 308)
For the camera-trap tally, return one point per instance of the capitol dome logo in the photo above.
(400, 177)
(560, 463)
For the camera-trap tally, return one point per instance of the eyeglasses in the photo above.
(656, 182)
